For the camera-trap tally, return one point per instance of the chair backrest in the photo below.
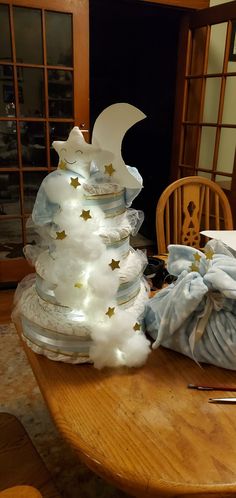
(20, 492)
(188, 206)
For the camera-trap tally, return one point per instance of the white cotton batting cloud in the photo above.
(103, 283)
(71, 215)
(133, 353)
(91, 250)
(68, 270)
(91, 287)
(71, 294)
(95, 309)
(58, 189)
(84, 280)
(137, 349)
(83, 250)
(115, 343)
(80, 234)
(83, 245)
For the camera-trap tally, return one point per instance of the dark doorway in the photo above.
(133, 58)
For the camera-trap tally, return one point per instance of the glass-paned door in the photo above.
(205, 135)
(43, 94)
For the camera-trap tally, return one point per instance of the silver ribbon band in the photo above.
(54, 341)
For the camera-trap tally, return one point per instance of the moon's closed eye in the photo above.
(81, 152)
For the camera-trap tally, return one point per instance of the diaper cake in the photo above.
(86, 300)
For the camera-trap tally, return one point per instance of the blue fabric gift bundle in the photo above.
(196, 315)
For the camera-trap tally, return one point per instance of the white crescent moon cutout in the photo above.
(108, 133)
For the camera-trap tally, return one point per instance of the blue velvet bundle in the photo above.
(196, 315)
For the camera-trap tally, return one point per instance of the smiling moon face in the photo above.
(75, 153)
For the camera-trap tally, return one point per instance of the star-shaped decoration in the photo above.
(74, 182)
(197, 257)
(62, 165)
(137, 326)
(110, 312)
(209, 254)
(61, 235)
(85, 215)
(114, 264)
(109, 170)
(75, 154)
(78, 285)
(194, 267)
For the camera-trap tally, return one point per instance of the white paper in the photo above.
(108, 132)
(228, 237)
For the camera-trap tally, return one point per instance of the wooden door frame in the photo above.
(15, 269)
(195, 4)
(218, 14)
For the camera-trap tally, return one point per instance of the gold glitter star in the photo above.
(109, 170)
(110, 312)
(61, 235)
(137, 326)
(194, 267)
(85, 215)
(74, 182)
(78, 285)
(114, 264)
(209, 254)
(62, 165)
(197, 257)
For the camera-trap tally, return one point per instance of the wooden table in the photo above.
(142, 429)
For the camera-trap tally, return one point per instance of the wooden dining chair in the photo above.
(20, 492)
(188, 206)
(20, 463)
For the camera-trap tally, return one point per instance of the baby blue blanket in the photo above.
(196, 315)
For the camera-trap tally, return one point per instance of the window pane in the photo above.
(227, 149)
(8, 144)
(59, 53)
(229, 111)
(58, 131)
(207, 147)
(212, 98)
(60, 93)
(204, 173)
(11, 243)
(217, 48)
(31, 91)
(28, 35)
(9, 193)
(7, 94)
(32, 181)
(224, 181)
(33, 144)
(5, 37)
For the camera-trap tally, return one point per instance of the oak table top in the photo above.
(142, 429)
